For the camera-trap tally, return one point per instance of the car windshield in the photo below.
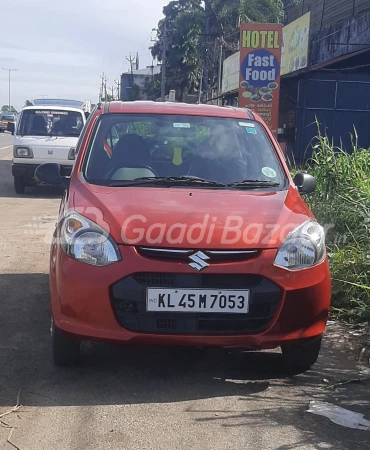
(10, 117)
(51, 122)
(165, 149)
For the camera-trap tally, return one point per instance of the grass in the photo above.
(341, 203)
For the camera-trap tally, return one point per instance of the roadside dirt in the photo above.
(150, 398)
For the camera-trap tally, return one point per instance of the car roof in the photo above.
(149, 107)
(51, 107)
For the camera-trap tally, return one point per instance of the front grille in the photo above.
(129, 304)
(206, 281)
(182, 255)
(155, 279)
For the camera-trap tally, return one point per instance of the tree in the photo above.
(27, 103)
(135, 93)
(183, 24)
(152, 89)
(6, 108)
(188, 45)
(108, 98)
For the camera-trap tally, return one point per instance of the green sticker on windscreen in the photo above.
(268, 172)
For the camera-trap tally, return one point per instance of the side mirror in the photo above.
(305, 183)
(10, 127)
(50, 173)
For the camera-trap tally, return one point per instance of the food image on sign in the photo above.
(260, 69)
(303, 38)
(260, 56)
(295, 45)
(294, 40)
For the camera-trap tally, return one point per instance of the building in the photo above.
(140, 78)
(325, 75)
(333, 90)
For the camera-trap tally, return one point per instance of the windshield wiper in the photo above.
(253, 184)
(169, 181)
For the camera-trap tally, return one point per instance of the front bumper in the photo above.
(109, 303)
(27, 171)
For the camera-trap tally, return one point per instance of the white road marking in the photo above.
(3, 148)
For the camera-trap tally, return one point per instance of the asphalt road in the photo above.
(147, 398)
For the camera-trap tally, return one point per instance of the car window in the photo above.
(50, 123)
(126, 147)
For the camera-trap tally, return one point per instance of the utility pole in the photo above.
(131, 60)
(219, 101)
(164, 54)
(206, 26)
(152, 67)
(118, 83)
(112, 91)
(103, 88)
(9, 70)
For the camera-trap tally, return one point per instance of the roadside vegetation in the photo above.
(342, 201)
(194, 31)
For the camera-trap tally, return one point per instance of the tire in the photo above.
(19, 185)
(301, 356)
(66, 349)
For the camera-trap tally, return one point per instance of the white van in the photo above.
(45, 133)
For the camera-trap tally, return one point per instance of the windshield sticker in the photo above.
(268, 172)
(181, 125)
(60, 113)
(251, 130)
(246, 124)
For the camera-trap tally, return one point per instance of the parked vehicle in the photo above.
(181, 225)
(45, 133)
(6, 118)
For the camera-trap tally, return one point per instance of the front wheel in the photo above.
(66, 349)
(302, 355)
(19, 185)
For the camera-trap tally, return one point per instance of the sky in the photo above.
(61, 48)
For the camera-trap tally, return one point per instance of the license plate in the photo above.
(198, 301)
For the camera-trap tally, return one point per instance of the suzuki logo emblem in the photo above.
(199, 261)
(50, 152)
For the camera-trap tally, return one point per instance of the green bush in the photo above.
(341, 203)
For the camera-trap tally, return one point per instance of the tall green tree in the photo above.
(183, 22)
(188, 47)
(5, 108)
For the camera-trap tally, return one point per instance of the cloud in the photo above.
(63, 47)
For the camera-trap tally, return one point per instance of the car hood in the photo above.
(192, 218)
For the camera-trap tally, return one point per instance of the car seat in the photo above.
(39, 126)
(130, 159)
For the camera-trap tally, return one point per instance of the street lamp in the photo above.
(9, 70)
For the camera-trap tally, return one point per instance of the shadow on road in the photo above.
(37, 191)
(115, 375)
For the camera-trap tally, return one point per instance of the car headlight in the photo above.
(87, 242)
(304, 247)
(23, 152)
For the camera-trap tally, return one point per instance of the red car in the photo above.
(181, 225)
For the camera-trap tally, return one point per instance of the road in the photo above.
(147, 398)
